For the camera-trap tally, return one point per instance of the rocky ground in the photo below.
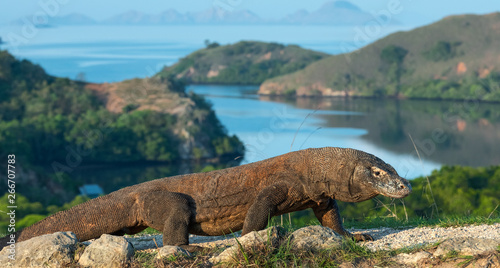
(480, 243)
(467, 246)
(389, 238)
(385, 238)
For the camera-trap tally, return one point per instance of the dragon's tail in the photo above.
(103, 215)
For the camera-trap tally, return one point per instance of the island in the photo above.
(454, 58)
(243, 63)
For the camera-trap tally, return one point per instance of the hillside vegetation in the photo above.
(135, 120)
(245, 62)
(455, 58)
(55, 125)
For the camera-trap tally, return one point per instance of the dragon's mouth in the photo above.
(400, 190)
(397, 195)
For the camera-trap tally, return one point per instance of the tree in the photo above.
(209, 44)
(442, 51)
(393, 54)
(393, 57)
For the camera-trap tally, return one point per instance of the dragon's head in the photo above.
(376, 174)
(351, 175)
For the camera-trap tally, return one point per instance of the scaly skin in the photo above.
(228, 200)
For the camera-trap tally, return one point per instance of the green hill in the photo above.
(455, 58)
(54, 125)
(136, 120)
(242, 63)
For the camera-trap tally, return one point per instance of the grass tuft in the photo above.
(349, 252)
(144, 259)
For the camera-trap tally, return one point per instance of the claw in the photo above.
(363, 237)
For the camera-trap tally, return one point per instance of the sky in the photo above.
(431, 10)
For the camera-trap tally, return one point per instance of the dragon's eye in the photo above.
(377, 171)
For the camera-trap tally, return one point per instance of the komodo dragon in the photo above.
(227, 200)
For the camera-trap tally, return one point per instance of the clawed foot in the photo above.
(362, 237)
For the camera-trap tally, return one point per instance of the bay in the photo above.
(415, 136)
(442, 132)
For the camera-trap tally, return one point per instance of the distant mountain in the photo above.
(342, 5)
(72, 19)
(331, 13)
(210, 16)
(136, 17)
(454, 58)
(219, 15)
(129, 17)
(171, 16)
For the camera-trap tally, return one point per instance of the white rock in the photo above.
(271, 236)
(50, 250)
(315, 237)
(466, 245)
(107, 251)
(168, 251)
(413, 258)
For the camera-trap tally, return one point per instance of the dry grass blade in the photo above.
(291, 146)
(154, 240)
(404, 207)
(434, 205)
(310, 134)
(302, 123)
(493, 211)
(386, 207)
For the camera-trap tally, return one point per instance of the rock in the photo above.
(107, 251)
(271, 236)
(146, 242)
(466, 245)
(315, 237)
(52, 250)
(412, 258)
(214, 241)
(168, 251)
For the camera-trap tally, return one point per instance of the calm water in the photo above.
(450, 133)
(444, 132)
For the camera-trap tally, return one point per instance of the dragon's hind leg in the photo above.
(172, 213)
